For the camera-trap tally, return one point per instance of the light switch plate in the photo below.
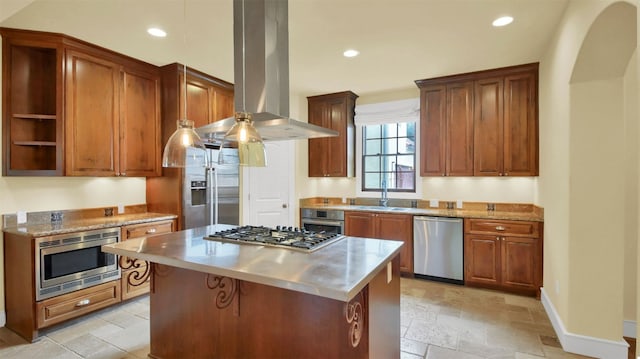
(120, 208)
(433, 203)
(21, 217)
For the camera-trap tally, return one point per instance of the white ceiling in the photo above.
(399, 40)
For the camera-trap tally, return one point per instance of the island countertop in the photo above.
(338, 271)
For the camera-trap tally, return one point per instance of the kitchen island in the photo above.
(213, 299)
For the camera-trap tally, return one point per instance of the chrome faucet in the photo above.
(384, 200)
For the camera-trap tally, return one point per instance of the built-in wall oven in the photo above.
(322, 220)
(68, 262)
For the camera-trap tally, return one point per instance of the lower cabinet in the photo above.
(503, 255)
(397, 227)
(58, 309)
(134, 281)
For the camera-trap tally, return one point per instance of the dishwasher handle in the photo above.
(437, 219)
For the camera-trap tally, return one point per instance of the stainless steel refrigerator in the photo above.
(211, 194)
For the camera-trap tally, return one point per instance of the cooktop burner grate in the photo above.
(282, 237)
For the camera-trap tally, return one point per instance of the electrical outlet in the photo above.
(344, 200)
(120, 208)
(22, 217)
(459, 204)
(433, 203)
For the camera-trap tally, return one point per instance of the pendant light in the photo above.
(251, 150)
(184, 148)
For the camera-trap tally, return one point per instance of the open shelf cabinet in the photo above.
(32, 102)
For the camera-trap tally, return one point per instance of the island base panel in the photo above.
(199, 315)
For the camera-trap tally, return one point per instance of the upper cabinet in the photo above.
(333, 156)
(111, 106)
(480, 124)
(32, 125)
(209, 99)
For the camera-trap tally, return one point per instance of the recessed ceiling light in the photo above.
(351, 53)
(502, 21)
(154, 31)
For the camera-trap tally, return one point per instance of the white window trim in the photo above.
(387, 112)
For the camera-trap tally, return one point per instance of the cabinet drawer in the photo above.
(146, 229)
(511, 228)
(71, 305)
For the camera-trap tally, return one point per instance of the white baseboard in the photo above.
(581, 344)
(3, 318)
(629, 328)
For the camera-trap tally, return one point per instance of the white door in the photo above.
(270, 188)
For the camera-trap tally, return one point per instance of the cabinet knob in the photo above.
(506, 173)
(499, 228)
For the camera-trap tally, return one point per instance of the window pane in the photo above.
(372, 131)
(390, 130)
(372, 164)
(372, 180)
(373, 147)
(390, 146)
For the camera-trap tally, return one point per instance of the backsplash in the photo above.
(11, 220)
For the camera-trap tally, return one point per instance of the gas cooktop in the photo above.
(283, 237)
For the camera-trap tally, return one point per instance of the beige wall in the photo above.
(582, 159)
(57, 193)
(632, 133)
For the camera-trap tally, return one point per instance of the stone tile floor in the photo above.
(438, 321)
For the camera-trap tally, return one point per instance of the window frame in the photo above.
(382, 173)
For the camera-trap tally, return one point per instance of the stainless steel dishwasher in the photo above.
(438, 248)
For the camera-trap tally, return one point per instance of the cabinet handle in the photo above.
(83, 303)
(499, 228)
(151, 230)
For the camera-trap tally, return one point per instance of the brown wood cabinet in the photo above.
(397, 227)
(482, 123)
(503, 255)
(333, 156)
(208, 99)
(71, 305)
(446, 129)
(32, 126)
(110, 102)
(133, 281)
(112, 116)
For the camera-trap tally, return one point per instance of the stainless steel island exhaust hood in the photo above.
(261, 74)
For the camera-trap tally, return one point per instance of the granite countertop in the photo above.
(78, 225)
(438, 212)
(338, 271)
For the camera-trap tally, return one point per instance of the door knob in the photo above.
(284, 205)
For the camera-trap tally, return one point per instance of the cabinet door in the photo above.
(336, 150)
(521, 263)
(91, 116)
(224, 105)
(460, 129)
(398, 227)
(488, 122)
(359, 224)
(482, 259)
(318, 147)
(140, 151)
(433, 131)
(199, 102)
(520, 125)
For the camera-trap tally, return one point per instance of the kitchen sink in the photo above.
(381, 208)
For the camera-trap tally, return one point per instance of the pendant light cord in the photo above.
(184, 40)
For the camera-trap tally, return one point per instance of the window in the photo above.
(389, 157)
